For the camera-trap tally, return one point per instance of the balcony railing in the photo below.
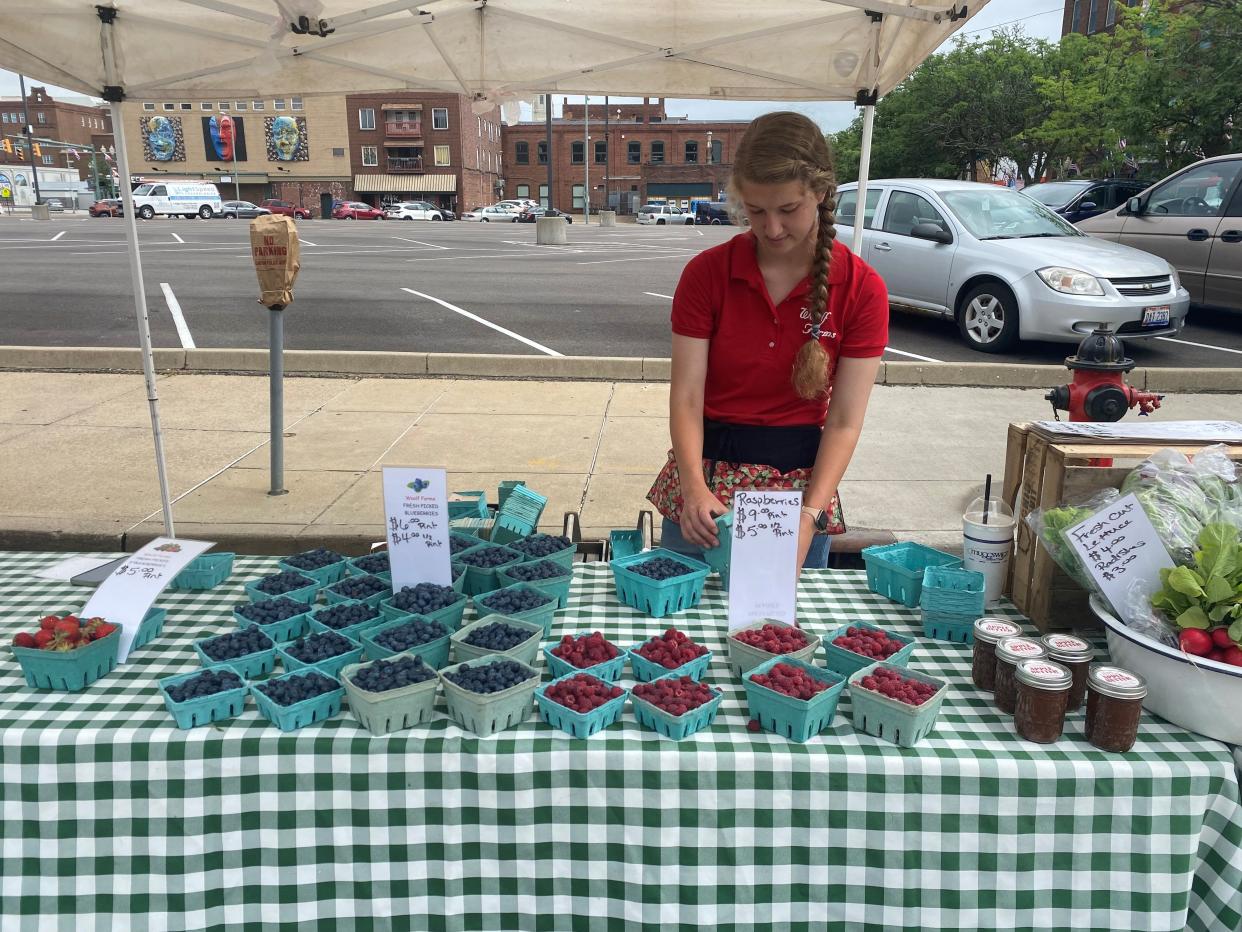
(403, 129)
(414, 164)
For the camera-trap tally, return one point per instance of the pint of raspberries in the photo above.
(582, 692)
(790, 680)
(869, 642)
(674, 695)
(586, 651)
(892, 684)
(671, 650)
(775, 639)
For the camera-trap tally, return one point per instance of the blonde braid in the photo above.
(811, 366)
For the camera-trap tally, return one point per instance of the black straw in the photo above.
(987, 496)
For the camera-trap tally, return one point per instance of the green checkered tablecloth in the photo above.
(114, 818)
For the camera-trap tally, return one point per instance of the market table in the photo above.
(112, 817)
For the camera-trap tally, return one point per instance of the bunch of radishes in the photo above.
(1214, 644)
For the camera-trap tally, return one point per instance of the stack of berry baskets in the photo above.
(675, 706)
(323, 565)
(762, 640)
(586, 652)
(371, 564)
(669, 654)
(294, 700)
(659, 582)
(281, 618)
(350, 618)
(488, 635)
(485, 713)
(904, 713)
(206, 571)
(204, 696)
(862, 644)
(325, 651)
(369, 589)
(391, 694)
(410, 634)
(434, 602)
(250, 651)
(520, 600)
(792, 698)
(292, 585)
(482, 562)
(951, 601)
(545, 575)
(520, 515)
(539, 546)
(580, 704)
(470, 504)
(67, 653)
(718, 557)
(895, 571)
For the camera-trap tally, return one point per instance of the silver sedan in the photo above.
(1004, 267)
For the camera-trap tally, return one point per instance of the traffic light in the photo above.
(6, 146)
(37, 150)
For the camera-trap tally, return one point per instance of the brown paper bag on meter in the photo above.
(274, 248)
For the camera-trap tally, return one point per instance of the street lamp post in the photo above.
(586, 160)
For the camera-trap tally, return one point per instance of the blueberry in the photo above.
(314, 559)
(541, 545)
(207, 683)
(322, 645)
(489, 678)
(374, 562)
(410, 634)
(661, 568)
(287, 690)
(345, 615)
(284, 582)
(541, 569)
(459, 542)
(514, 601)
(498, 636)
(383, 675)
(488, 557)
(269, 611)
(359, 587)
(425, 598)
(249, 640)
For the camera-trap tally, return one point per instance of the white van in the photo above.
(177, 199)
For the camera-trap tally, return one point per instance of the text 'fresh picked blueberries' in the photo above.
(488, 557)
(498, 636)
(270, 611)
(384, 675)
(281, 583)
(249, 640)
(322, 645)
(410, 634)
(513, 601)
(374, 562)
(346, 615)
(359, 587)
(298, 687)
(314, 559)
(490, 677)
(207, 683)
(541, 545)
(543, 569)
(661, 568)
(425, 598)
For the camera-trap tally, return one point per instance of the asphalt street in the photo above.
(422, 287)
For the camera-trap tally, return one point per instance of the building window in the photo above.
(168, 106)
(601, 152)
(541, 153)
(439, 117)
(523, 190)
(278, 103)
(1110, 17)
(543, 195)
(241, 105)
(1074, 16)
(478, 159)
(717, 155)
(366, 118)
(370, 155)
(187, 106)
(83, 119)
(692, 150)
(657, 152)
(148, 106)
(521, 152)
(338, 153)
(257, 105)
(579, 193)
(654, 119)
(295, 103)
(442, 154)
(1092, 12)
(576, 152)
(633, 152)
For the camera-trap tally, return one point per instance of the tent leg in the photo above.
(140, 309)
(864, 172)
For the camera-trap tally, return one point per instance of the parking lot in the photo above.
(423, 287)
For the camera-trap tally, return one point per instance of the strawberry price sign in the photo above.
(417, 522)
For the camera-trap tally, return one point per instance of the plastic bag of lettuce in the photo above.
(1049, 526)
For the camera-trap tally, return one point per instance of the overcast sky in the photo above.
(1044, 22)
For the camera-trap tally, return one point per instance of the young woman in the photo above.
(768, 329)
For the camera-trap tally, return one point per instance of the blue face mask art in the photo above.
(161, 138)
(286, 139)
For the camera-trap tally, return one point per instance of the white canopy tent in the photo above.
(494, 51)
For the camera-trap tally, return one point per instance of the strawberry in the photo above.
(24, 639)
(43, 638)
(104, 630)
(48, 621)
(66, 629)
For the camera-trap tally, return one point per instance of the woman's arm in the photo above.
(685, 415)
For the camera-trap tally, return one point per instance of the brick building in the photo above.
(77, 123)
(642, 155)
(414, 146)
(1092, 16)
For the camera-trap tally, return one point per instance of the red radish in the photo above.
(1233, 655)
(1217, 654)
(1220, 637)
(1196, 641)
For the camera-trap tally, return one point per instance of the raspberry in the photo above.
(586, 651)
(753, 725)
(868, 642)
(892, 684)
(790, 680)
(676, 696)
(671, 650)
(582, 692)
(775, 639)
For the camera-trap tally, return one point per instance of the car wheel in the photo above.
(230, 216)
(987, 318)
(205, 212)
(350, 217)
(660, 223)
(435, 217)
(146, 212)
(715, 223)
(484, 220)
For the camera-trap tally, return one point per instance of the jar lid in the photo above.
(1015, 649)
(1067, 647)
(990, 630)
(1043, 674)
(1108, 680)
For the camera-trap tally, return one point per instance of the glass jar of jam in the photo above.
(1114, 707)
(1075, 655)
(987, 631)
(1009, 652)
(1043, 688)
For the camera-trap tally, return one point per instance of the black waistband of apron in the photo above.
(783, 448)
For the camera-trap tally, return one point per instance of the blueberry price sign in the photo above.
(417, 525)
(763, 562)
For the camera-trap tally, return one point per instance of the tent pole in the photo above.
(864, 171)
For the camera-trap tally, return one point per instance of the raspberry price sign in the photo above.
(417, 522)
(763, 573)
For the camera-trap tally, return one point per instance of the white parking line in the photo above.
(187, 341)
(486, 323)
(176, 237)
(889, 349)
(58, 236)
(680, 255)
(654, 295)
(306, 242)
(1223, 349)
(420, 242)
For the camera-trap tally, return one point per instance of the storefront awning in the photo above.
(414, 184)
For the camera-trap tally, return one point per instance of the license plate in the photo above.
(1156, 316)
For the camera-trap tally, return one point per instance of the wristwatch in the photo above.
(819, 517)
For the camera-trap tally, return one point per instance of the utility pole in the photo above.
(607, 155)
(586, 160)
(547, 125)
(34, 169)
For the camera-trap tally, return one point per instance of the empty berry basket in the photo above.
(248, 666)
(493, 603)
(480, 579)
(676, 726)
(793, 718)
(488, 713)
(526, 652)
(744, 657)
(659, 597)
(718, 557)
(845, 661)
(435, 653)
(556, 585)
(609, 670)
(206, 571)
(895, 571)
(624, 543)
(324, 573)
(578, 724)
(471, 504)
(887, 718)
(382, 713)
(299, 714)
(149, 628)
(203, 710)
(645, 670)
(951, 601)
(72, 670)
(308, 594)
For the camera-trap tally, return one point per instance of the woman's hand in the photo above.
(698, 516)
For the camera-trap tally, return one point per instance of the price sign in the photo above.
(416, 515)
(763, 561)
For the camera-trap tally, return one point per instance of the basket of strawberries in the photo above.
(67, 653)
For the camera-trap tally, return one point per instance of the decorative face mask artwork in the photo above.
(286, 139)
(162, 140)
(224, 138)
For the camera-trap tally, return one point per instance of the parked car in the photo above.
(531, 214)
(1077, 199)
(231, 210)
(712, 213)
(1193, 219)
(447, 214)
(662, 214)
(1005, 267)
(491, 214)
(414, 210)
(356, 210)
(108, 207)
(54, 203)
(286, 209)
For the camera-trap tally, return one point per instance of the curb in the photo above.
(340, 364)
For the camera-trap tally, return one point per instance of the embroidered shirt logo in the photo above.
(825, 328)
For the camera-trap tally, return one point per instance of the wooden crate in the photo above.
(1040, 473)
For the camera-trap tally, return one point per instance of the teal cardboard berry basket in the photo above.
(206, 571)
(328, 667)
(370, 564)
(286, 630)
(718, 557)
(555, 586)
(878, 715)
(324, 575)
(520, 515)
(247, 666)
(895, 571)
(392, 710)
(676, 727)
(450, 615)
(564, 556)
(645, 670)
(480, 579)
(151, 627)
(659, 597)
(308, 594)
(434, 653)
(205, 709)
(469, 504)
(796, 719)
(526, 652)
(300, 714)
(485, 714)
(383, 590)
(951, 601)
(743, 657)
(609, 670)
(72, 670)
(579, 724)
(354, 632)
(844, 661)
(542, 614)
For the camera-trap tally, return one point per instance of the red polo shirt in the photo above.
(722, 298)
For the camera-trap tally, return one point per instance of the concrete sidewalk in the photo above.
(78, 470)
